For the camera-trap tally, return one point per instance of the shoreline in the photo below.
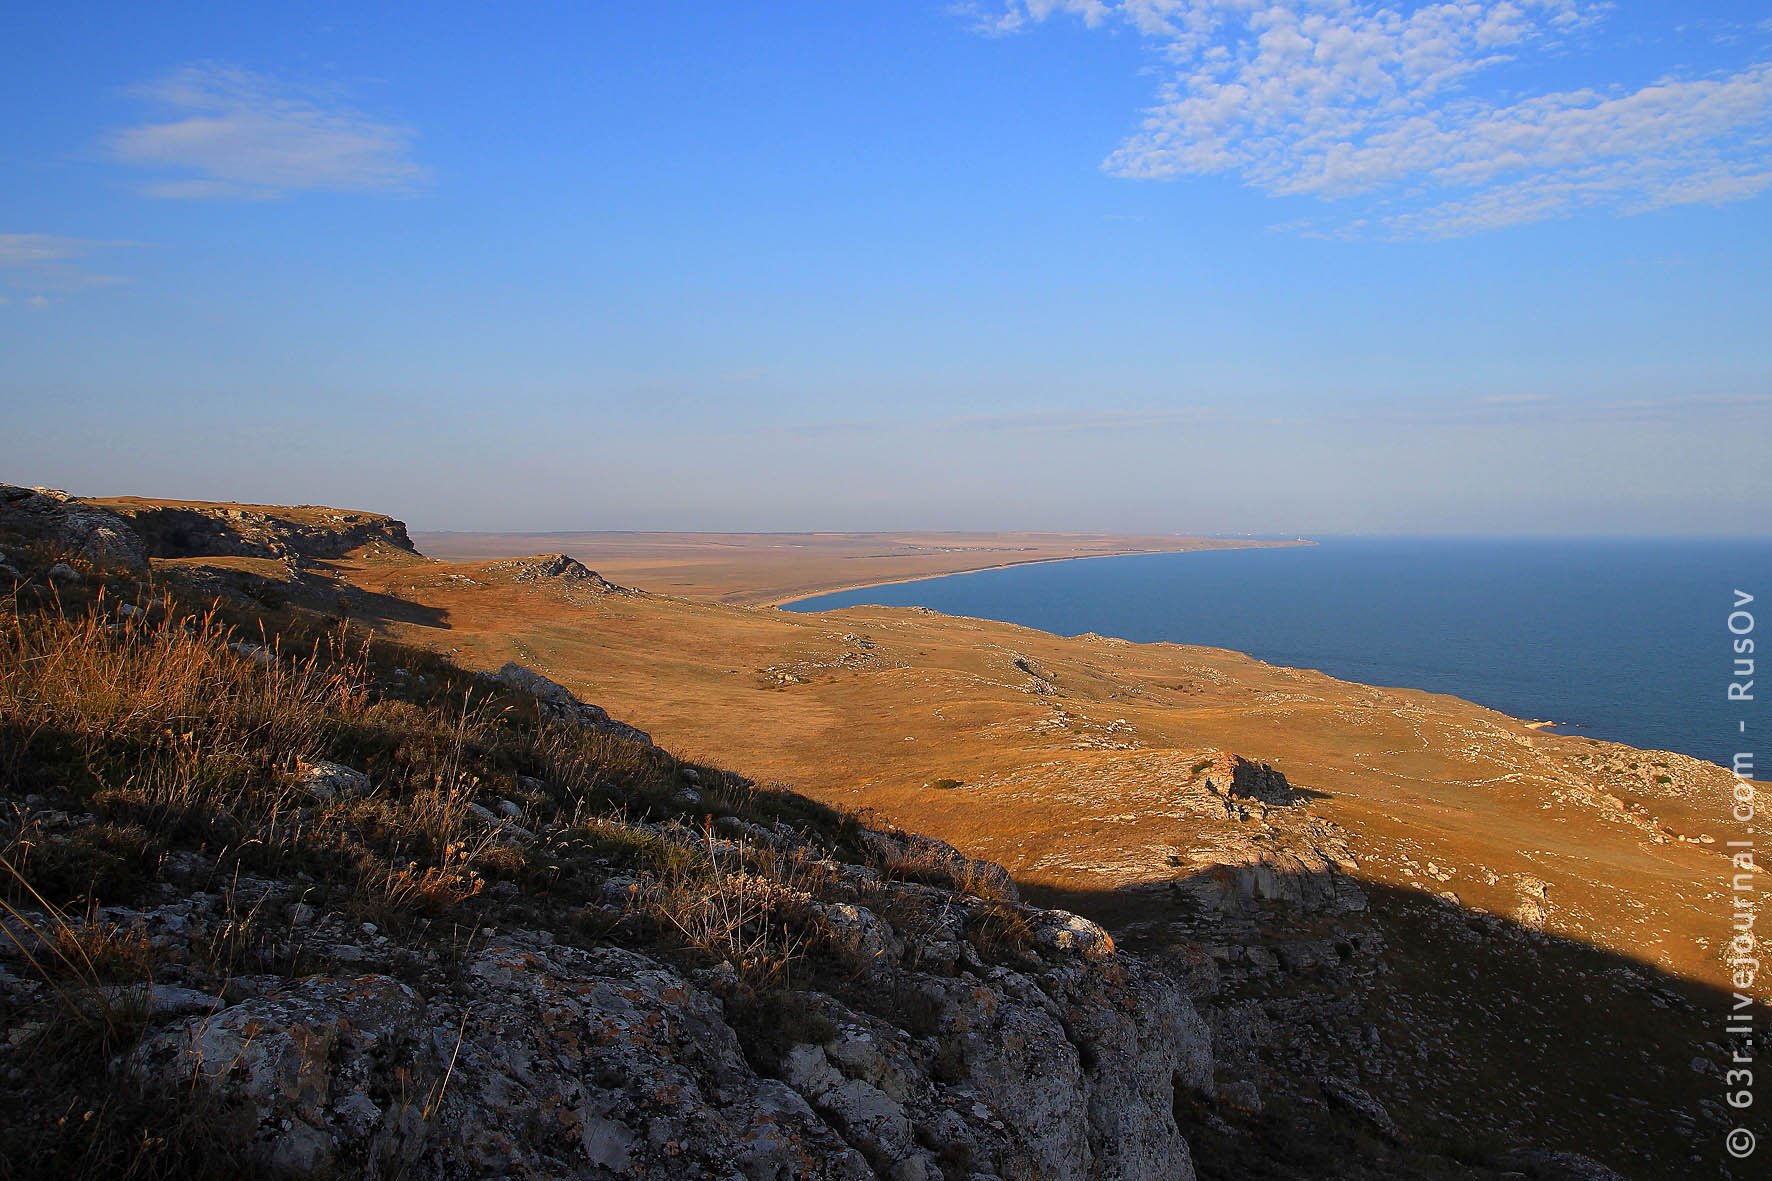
(802, 596)
(1549, 727)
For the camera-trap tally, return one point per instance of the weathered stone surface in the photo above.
(306, 1060)
(1560, 1166)
(914, 850)
(559, 702)
(559, 1062)
(1534, 907)
(542, 1060)
(1058, 1072)
(1363, 1106)
(325, 780)
(559, 569)
(229, 530)
(96, 535)
(1062, 931)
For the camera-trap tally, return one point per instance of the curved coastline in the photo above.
(1544, 706)
(802, 596)
(1534, 725)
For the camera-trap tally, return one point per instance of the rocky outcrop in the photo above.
(1257, 781)
(123, 534)
(1049, 1072)
(69, 526)
(194, 530)
(559, 703)
(544, 1060)
(541, 1061)
(1048, 1056)
(558, 570)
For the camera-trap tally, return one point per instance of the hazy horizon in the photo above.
(1310, 268)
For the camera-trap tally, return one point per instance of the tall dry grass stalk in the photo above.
(159, 675)
(76, 959)
(723, 906)
(169, 706)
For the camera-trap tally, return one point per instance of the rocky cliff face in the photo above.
(245, 531)
(526, 942)
(384, 917)
(122, 533)
(535, 1057)
(70, 528)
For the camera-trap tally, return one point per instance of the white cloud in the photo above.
(51, 262)
(228, 132)
(1342, 99)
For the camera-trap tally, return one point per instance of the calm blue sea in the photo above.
(1615, 639)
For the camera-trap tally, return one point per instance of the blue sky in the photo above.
(1308, 266)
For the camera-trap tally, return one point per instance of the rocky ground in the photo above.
(421, 921)
(607, 962)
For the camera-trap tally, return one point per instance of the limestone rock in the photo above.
(541, 1060)
(231, 530)
(1368, 1110)
(559, 569)
(325, 780)
(1061, 931)
(303, 1059)
(558, 702)
(96, 535)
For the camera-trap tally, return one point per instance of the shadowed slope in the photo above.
(1476, 1035)
(1398, 882)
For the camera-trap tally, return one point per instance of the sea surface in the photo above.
(1620, 639)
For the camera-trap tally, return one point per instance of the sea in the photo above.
(1629, 640)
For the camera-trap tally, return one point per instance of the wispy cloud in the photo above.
(1543, 410)
(1083, 420)
(1522, 409)
(228, 132)
(41, 263)
(1345, 99)
(1106, 419)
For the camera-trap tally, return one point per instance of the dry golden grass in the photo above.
(172, 710)
(177, 739)
(932, 865)
(1073, 787)
(161, 666)
(731, 914)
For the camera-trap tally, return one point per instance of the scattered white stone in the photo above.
(257, 653)
(329, 781)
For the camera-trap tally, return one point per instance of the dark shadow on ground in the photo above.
(376, 607)
(1477, 1034)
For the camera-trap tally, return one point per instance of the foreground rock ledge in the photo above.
(553, 1061)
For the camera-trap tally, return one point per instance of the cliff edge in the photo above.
(283, 900)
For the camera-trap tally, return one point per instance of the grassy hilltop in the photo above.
(316, 863)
